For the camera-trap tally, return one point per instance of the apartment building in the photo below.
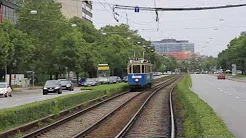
(78, 8)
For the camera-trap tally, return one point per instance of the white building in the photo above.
(78, 8)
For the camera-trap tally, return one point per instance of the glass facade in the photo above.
(165, 46)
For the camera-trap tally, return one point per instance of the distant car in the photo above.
(82, 82)
(119, 79)
(74, 79)
(91, 82)
(5, 89)
(62, 79)
(113, 79)
(52, 86)
(221, 76)
(125, 79)
(103, 80)
(67, 85)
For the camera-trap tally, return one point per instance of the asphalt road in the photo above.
(29, 96)
(226, 97)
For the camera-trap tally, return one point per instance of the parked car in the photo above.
(74, 79)
(82, 82)
(91, 82)
(5, 89)
(103, 80)
(125, 79)
(67, 85)
(113, 79)
(221, 76)
(119, 79)
(52, 86)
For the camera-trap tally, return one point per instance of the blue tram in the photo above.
(140, 74)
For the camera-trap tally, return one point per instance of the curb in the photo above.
(236, 80)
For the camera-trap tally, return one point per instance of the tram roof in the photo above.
(141, 61)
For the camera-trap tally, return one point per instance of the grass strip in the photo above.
(199, 118)
(106, 86)
(16, 116)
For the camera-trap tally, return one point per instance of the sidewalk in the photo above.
(229, 77)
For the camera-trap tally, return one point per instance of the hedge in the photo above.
(12, 117)
(199, 118)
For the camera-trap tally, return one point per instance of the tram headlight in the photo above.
(136, 80)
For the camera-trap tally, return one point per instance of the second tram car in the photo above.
(140, 74)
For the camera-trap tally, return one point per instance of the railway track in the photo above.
(87, 119)
(154, 118)
(115, 124)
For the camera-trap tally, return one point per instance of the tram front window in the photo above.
(136, 68)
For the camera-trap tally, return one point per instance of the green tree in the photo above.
(19, 48)
(46, 28)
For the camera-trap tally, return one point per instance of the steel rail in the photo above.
(68, 118)
(172, 115)
(95, 125)
(128, 126)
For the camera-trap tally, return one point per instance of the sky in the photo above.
(210, 30)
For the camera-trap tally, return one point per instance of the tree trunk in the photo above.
(50, 76)
(10, 74)
(77, 76)
(57, 75)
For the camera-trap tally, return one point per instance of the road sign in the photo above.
(136, 9)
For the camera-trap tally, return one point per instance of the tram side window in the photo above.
(147, 69)
(130, 69)
(143, 68)
(136, 68)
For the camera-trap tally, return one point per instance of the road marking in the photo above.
(221, 90)
(244, 100)
(237, 97)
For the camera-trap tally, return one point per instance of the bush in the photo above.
(17, 116)
(200, 120)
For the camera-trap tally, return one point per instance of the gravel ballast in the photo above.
(82, 122)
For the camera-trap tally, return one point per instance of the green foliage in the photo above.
(47, 44)
(16, 116)
(4, 46)
(234, 54)
(200, 119)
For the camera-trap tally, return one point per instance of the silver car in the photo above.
(91, 82)
(5, 89)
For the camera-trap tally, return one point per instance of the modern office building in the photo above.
(7, 10)
(173, 45)
(179, 49)
(78, 8)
